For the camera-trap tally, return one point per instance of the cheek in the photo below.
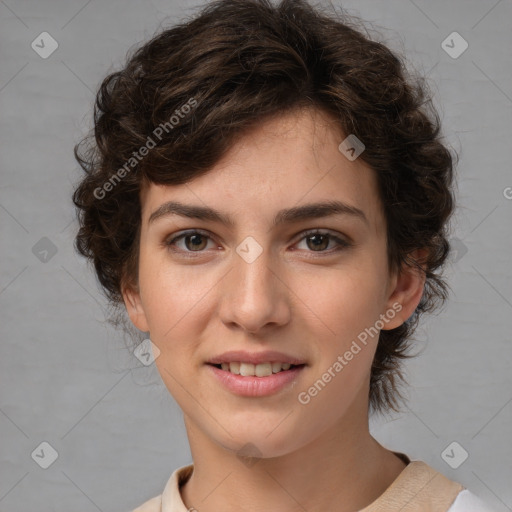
(342, 302)
(345, 347)
(172, 294)
(174, 302)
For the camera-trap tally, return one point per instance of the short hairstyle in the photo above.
(187, 94)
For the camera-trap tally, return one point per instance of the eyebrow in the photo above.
(286, 216)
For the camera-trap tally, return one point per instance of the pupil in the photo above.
(195, 237)
(319, 243)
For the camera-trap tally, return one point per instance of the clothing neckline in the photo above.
(185, 472)
(417, 483)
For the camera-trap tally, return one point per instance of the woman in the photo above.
(267, 195)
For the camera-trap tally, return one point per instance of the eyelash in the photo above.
(342, 244)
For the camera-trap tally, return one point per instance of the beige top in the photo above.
(418, 488)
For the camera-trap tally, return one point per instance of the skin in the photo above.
(297, 298)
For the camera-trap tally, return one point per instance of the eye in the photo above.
(193, 241)
(319, 241)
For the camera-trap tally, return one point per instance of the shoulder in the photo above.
(152, 505)
(439, 490)
(466, 501)
(170, 499)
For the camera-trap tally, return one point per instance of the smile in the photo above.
(254, 370)
(255, 380)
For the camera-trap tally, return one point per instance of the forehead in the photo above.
(282, 162)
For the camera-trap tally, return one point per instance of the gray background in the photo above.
(66, 377)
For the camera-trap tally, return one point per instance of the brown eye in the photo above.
(318, 242)
(188, 242)
(197, 242)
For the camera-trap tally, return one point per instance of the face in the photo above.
(253, 273)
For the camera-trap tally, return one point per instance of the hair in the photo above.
(235, 64)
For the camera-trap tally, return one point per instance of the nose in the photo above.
(254, 296)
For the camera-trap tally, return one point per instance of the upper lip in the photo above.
(269, 356)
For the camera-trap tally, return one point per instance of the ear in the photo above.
(406, 290)
(134, 308)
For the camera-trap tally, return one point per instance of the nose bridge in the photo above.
(253, 295)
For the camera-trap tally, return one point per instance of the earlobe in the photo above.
(407, 291)
(135, 309)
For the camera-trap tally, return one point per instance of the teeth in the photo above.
(234, 368)
(263, 370)
(246, 369)
(251, 370)
(276, 367)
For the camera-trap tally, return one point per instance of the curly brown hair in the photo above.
(235, 64)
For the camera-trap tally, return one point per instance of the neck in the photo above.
(342, 470)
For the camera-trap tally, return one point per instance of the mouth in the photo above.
(255, 370)
(256, 379)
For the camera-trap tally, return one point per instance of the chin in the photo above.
(253, 440)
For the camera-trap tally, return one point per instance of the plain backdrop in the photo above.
(66, 378)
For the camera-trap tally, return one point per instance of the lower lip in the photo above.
(256, 386)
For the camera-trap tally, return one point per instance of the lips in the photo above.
(256, 374)
(253, 386)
